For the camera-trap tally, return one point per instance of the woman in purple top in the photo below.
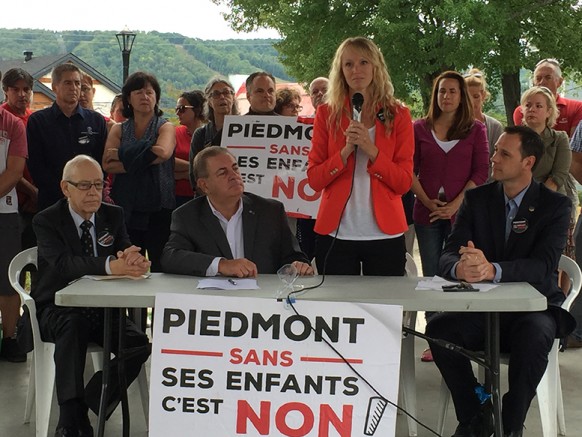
(451, 156)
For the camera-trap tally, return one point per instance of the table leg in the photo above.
(106, 371)
(121, 376)
(492, 379)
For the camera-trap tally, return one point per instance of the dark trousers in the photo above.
(71, 331)
(349, 257)
(306, 236)
(527, 337)
(576, 309)
(154, 238)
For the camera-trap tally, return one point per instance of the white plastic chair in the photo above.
(549, 390)
(41, 383)
(407, 361)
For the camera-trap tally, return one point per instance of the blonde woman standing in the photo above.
(362, 166)
(540, 112)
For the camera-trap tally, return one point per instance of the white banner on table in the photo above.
(232, 366)
(272, 158)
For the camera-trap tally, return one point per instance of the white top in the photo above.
(233, 229)
(446, 146)
(358, 221)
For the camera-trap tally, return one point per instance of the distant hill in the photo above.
(180, 63)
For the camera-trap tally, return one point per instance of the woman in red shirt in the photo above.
(363, 167)
(190, 111)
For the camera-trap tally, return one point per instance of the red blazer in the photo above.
(390, 174)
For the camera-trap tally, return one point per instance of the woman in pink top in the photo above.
(451, 155)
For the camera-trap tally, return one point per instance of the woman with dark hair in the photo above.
(451, 156)
(190, 112)
(220, 102)
(140, 153)
(363, 167)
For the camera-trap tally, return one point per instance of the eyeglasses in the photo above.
(294, 106)
(86, 185)
(226, 93)
(182, 108)
(552, 61)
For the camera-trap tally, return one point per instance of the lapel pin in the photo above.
(105, 239)
(531, 209)
(519, 226)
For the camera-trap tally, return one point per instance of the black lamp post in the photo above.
(125, 39)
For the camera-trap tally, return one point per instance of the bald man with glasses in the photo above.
(79, 235)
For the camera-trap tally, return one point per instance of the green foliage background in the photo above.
(180, 63)
(422, 38)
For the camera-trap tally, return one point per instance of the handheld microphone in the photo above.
(357, 102)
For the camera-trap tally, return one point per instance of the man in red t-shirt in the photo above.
(13, 153)
(17, 85)
(549, 74)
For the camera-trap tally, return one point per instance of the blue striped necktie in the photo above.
(511, 212)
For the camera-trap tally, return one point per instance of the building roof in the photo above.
(40, 66)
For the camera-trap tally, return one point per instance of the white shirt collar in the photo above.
(78, 219)
(218, 214)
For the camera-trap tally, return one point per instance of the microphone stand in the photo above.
(452, 347)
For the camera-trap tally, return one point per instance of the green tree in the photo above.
(421, 38)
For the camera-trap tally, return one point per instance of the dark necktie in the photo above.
(511, 210)
(95, 315)
(86, 239)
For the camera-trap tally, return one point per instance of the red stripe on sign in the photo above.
(247, 147)
(332, 360)
(197, 353)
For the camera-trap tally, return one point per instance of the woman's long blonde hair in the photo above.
(381, 88)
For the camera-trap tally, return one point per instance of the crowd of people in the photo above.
(132, 193)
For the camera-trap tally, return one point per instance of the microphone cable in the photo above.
(312, 287)
(357, 102)
(289, 301)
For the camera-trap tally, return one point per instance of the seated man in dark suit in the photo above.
(228, 232)
(511, 230)
(80, 236)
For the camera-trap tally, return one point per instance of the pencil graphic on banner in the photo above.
(376, 407)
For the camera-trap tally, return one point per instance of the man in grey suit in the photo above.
(229, 232)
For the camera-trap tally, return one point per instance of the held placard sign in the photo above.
(272, 157)
(235, 366)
